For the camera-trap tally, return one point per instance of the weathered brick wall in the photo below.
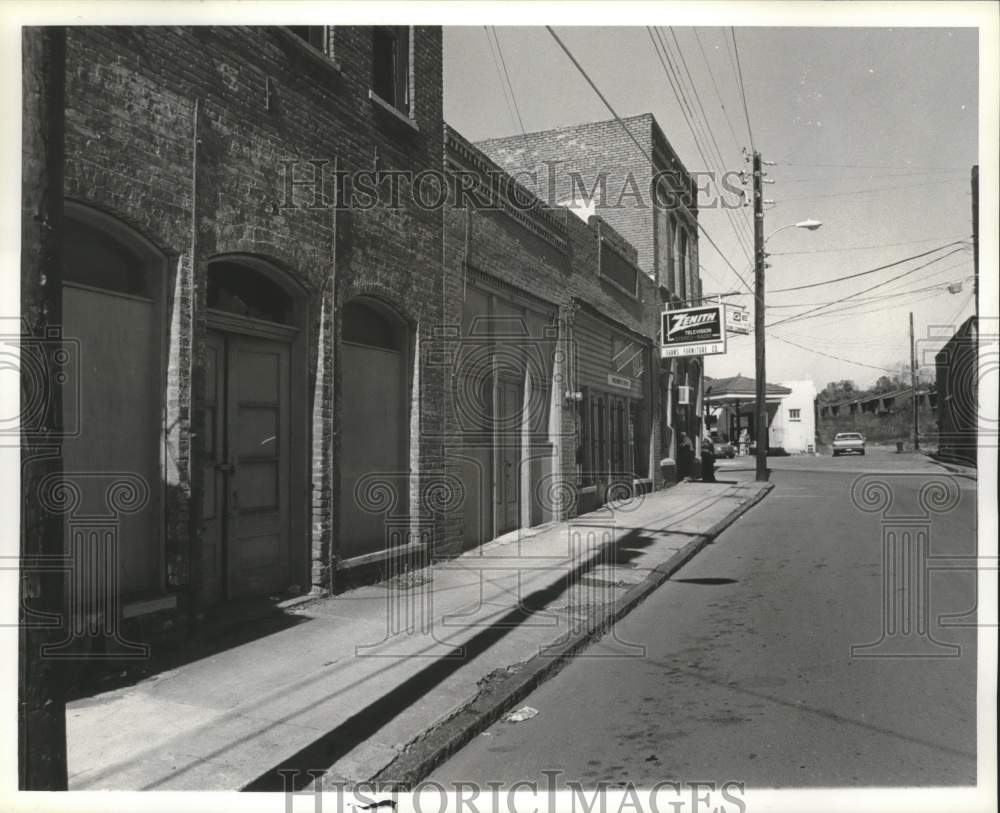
(552, 255)
(601, 157)
(185, 135)
(604, 148)
(596, 151)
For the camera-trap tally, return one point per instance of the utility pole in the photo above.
(913, 386)
(758, 312)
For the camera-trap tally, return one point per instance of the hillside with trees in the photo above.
(887, 426)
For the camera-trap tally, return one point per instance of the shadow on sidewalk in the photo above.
(292, 774)
(225, 627)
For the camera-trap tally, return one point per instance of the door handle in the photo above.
(228, 468)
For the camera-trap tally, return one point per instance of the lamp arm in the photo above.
(780, 228)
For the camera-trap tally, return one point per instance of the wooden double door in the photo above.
(246, 509)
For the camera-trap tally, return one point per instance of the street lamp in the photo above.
(810, 225)
(758, 331)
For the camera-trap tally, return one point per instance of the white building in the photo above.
(794, 425)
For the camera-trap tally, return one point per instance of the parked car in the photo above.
(725, 449)
(848, 443)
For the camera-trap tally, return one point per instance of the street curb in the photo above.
(431, 748)
(961, 471)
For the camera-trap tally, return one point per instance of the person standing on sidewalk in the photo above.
(744, 442)
(685, 457)
(707, 460)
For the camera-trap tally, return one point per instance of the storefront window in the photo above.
(611, 442)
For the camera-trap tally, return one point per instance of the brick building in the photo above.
(248, 350)
(550, 353)
(958, 373)
(649, 197)
(288, 368)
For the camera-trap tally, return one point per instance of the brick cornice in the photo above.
(461, 155)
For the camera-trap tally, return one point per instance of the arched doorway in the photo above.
(252, 430)
(113, 310)
(375, 441)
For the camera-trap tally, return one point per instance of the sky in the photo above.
(873, 131)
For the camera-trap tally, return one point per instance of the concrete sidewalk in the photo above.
(386, 680)
(971, 472)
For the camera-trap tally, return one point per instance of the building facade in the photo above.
(793, 427)
(732, 407)
(549, 347)
(249, 348)
(290, 365)
(647, 196)
(958, 374)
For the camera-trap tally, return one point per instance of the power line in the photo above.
(673, 77)
(865, 248)
(743, 90)
(607, 104)
(961, 308)
(869, 166)
(889, 338)
(854, 308)
(513, 98)
(715, 85)
(828, 355)
(872, 288)
(869, 176)
(744, 218)
(869, 271)
(496, 64)
(872, 189)
(737, 73)
(862, 309)
(937, 285)
(923, 279)
(937, 272)
(720, 166)
(600, 95)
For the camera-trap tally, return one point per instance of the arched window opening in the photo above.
(363, 324)
(374, 424)
(98, 260)
(240, 289)
(113, 308)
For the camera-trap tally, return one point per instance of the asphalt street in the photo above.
(748, 672)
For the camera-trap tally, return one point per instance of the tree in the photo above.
(884, 384)
(838, 391)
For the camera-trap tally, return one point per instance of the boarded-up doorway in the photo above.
(113, 315)
(374, 452)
